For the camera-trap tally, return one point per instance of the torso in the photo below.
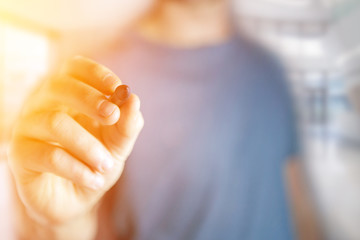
(208, 164)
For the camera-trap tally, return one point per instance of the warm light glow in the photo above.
(24, 51)
(24, 59)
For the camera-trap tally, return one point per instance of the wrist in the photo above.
(82, 227)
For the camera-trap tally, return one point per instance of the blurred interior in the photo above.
(316, 40)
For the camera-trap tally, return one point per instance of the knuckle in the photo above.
(127, 133)
(94, 154)
(80, 175)
(141, 122)
(56, 121)
(91, 98)
(96, 69)
(80, 139)
(136, 101)
(55, 158)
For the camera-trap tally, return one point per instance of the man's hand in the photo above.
(70, 143)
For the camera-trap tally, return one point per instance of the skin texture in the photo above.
(70, 144)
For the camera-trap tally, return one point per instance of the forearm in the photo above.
(82, 228)
(303, 210)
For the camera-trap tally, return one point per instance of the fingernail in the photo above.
(106, 108)
(97, 182)
(107, 164)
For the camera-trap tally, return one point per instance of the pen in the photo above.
(121, 94)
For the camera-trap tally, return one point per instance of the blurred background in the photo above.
(317, 40)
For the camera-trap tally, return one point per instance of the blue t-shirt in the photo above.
(209, 162)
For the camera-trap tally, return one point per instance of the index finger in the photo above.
(93, 74)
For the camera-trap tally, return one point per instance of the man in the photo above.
(209, 162)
